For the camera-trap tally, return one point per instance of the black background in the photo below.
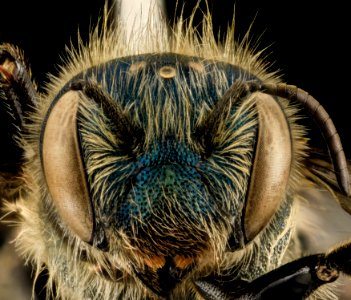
(307, 40)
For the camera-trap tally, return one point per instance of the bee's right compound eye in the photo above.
(271, 168)
(64, 169)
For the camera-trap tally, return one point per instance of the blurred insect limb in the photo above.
(141, 19)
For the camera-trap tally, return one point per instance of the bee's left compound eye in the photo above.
(64, 169)
(271, 169)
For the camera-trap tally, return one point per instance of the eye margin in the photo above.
(272, 156)
(60, 145)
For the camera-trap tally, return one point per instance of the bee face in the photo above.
(140, 160)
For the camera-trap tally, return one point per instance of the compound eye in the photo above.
(271, 167)
(64, 169)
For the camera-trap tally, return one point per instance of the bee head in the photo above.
(155, 158)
